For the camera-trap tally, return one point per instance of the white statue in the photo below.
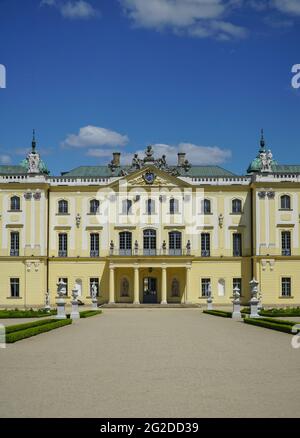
(33, 163)
(47, 299)
(61, 288)
(94, 290)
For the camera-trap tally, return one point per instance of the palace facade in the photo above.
(149, 232)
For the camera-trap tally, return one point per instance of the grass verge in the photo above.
(88, 313)
(221, 313)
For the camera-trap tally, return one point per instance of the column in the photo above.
(136, 291)
(188, 284)
(163, 284)
(111, 284)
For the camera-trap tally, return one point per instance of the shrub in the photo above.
(88, 313)
(33, 331)
(25, 313)
(291, 311)
(273, 324)
(222, 313)
(26, 325)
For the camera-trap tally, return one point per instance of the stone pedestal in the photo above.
(254, 308)
(61, 308)
(75, 313)
(94, 304)
(209, 303)
(236, 314)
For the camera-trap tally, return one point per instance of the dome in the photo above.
(255, 165)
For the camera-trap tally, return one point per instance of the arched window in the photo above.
(174, 206)
(206, 206)
(236, 206)
(285, 202)
(94, 206)
(15, 204)
(149, 242)
(125, 242)
(150, 206)
(175, 243)
(124, 287)
(63, 206)
(175, 288)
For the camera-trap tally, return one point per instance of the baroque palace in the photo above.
(150, 232)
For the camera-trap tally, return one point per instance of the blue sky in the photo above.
(200, 76)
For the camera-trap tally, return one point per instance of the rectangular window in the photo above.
(65, 280)
(94, 244)
(96, 281)
(237, 245)
(150, 206)
(205, 287)
(15, 287)
(205, 244)
(62, 245)
(126, 206)
(286, 287)
(286, 243)
(237, 282)
(14, 243)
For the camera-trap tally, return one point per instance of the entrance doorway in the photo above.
(150, 290)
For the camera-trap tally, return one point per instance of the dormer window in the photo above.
(15, 203)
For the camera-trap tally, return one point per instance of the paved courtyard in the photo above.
(151, 362)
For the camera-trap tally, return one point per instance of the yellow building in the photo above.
(149, 232)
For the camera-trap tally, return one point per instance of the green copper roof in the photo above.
(286, 168)
(12, 170)
(105, 172)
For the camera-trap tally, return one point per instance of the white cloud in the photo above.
(93, 136)
(5, 159)
(73, 9)
(198, 18)
(206, 155)
(289, 6)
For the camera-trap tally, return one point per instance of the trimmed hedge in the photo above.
(25, 313)
(36, 330)
(221, 313)
(281, 326)
(26, 325)
(88, 313)
(292, 311)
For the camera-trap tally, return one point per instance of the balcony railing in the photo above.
(62, 253)
(150, 252)
(205, 253)
(286, 252)
(94, 253)
(14, 252)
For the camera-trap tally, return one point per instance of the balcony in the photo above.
(286, 252)
(150, 252)
(205, 253)
(62, 253)
(14, 252)
(94, 253)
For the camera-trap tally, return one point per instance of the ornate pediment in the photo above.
(150, 179)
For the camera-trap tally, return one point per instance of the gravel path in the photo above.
(151, 363)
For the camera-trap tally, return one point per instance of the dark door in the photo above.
(150, 290)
